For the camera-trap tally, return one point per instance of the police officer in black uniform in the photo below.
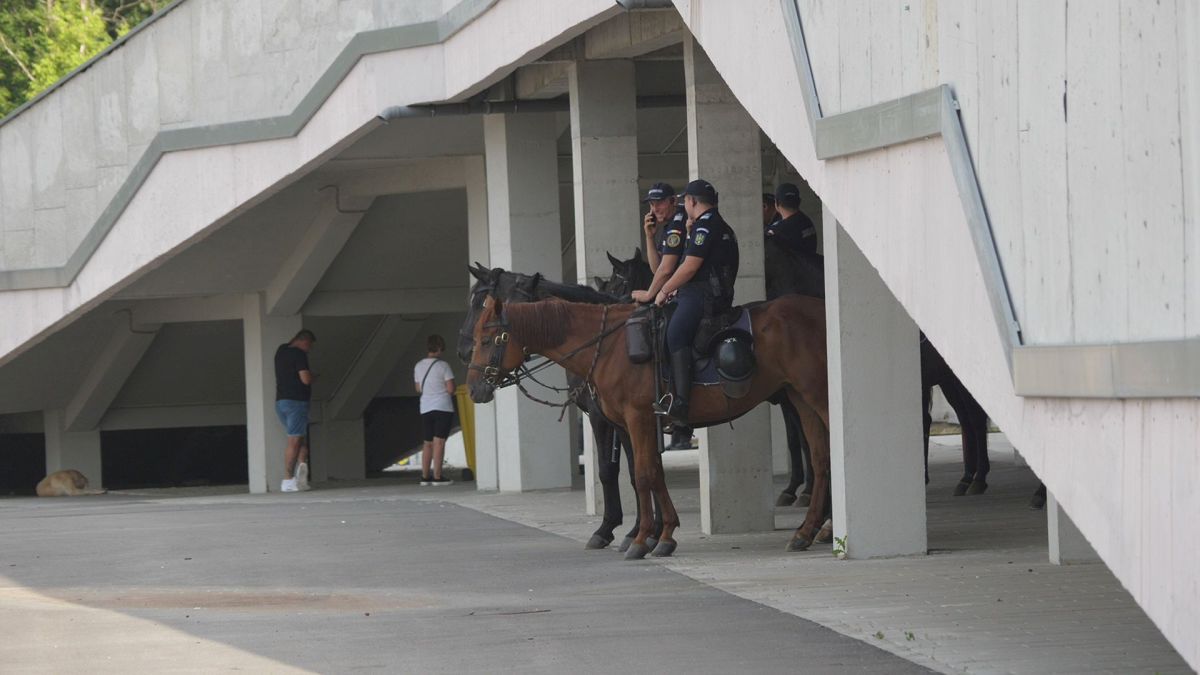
(665, 226)
(702, 283)
(794, 230)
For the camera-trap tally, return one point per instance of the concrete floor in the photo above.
(395, 577)
(364, 579)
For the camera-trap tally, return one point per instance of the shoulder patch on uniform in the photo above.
(673, 240)
(706, 216)
(700, 237)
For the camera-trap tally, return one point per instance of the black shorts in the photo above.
(436, 424)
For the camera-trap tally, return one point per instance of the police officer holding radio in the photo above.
(702, 282)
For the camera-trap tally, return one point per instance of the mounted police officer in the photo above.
(665, 226)
(702, 284)
(794, 230)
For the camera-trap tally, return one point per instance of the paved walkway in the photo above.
(400, 578)
(986, 600)
(348, 580)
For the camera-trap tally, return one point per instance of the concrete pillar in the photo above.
(736, 484)
(338, 450)
(479, 249)
(533, 449)
(79, 450)
(605, 162)
(1067, 544)
(265, 438)
(875, 430)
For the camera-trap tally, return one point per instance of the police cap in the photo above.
(702, 189)
(659, 191)
(787, 195)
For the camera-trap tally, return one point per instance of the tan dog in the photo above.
(65, 483)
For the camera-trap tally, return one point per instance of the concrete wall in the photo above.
(1073, 116)
(1120, 468)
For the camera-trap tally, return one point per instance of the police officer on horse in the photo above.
(702, 284)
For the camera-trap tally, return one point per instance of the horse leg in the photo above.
(791, 422)
(805, 496)
(652, 540)
(979, 452)
(627, 448)
(610, 476)
(816, 429)
(648, 475)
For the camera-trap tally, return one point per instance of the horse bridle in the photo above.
(493, 376)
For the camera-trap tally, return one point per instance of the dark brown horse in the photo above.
(589, 341)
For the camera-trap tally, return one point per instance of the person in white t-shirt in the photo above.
(435, 382)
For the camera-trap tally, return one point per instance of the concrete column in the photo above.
(736, 484)
(479, 245)
(875, 430)
(605, 162)
(533, 449)
(1067, 544)
(265, 438)
(79, 450)
(339, 450)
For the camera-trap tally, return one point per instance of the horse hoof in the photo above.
(961, 488)
(785, 499)
(977, 488)
(625, 543)
(1037, 503)
(825, 534)
(636, 551)
(651, 542)
(798, 543)
(664, 549)
(598, 541)
(803, 499)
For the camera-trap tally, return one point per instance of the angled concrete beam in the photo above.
(175, 416)
(108, 374)
(389, 301)
(633, 34)
(566, 53)
(542, 80)
(372, 366)
(404, 177)
(225, 307)
(316, 251)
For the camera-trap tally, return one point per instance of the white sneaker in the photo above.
(302, 477)
(288, 485)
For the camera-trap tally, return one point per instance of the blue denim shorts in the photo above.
(293, 415)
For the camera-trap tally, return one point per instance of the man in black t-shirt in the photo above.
(794, 231)
(293, 390)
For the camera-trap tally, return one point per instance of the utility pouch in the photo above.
(637, 337)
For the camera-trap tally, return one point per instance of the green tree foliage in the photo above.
(42, 40)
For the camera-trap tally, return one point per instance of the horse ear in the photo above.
(599, 282)
(478, 272)
(615, 263)
(637, 253)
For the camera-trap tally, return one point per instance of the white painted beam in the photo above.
(107, 375)
(1067, 545)
(265, 438)
(372, 366)
(479, 245)
(404, 177)
(314, 253)
(877, 477)
(388, 301)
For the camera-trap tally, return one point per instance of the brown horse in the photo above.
(589, 341)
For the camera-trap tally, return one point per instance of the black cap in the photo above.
(659, 191)
(701, 188)
(787, 195)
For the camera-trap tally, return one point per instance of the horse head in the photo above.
(627, 276)
(504, 285)
(494, 352)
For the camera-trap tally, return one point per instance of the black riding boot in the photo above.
(681, 375)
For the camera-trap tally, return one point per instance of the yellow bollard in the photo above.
(466, 418)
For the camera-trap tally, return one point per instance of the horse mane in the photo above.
(539, 325)
(577, 293)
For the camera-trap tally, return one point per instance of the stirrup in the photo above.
(664, 409)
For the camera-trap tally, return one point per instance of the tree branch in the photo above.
(17, 59)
